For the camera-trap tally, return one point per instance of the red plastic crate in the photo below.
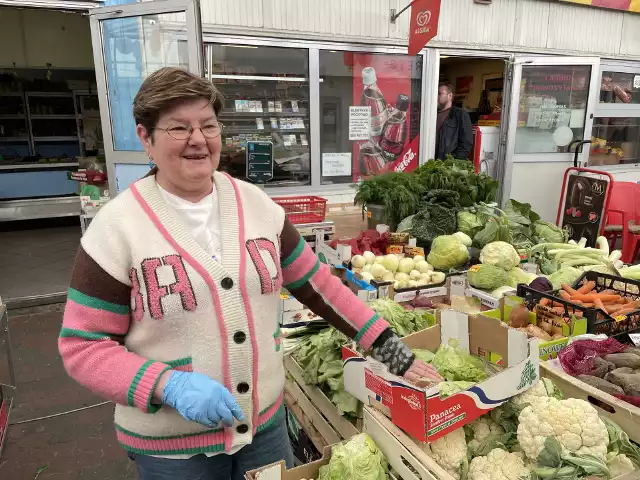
(307, 209)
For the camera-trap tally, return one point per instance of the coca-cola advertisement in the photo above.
(389, 88)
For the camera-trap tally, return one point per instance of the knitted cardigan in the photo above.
(145, 298)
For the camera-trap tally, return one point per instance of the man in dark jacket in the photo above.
(454, 135)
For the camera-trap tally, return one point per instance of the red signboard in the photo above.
(624, 5)
(424, 24)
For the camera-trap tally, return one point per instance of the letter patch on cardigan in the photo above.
(159, 283)
(265, 258)
(137, 303)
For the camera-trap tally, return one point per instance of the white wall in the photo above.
(34, 38)
(521, 25)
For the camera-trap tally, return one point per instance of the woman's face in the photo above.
(184, 164)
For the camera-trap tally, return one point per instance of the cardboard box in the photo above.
(278, 471)
(487, 302)
(363, 289)
(547, 350)
(419, 410)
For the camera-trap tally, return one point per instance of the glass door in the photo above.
(552, 103)
(129, 43)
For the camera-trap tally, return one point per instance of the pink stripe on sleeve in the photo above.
(103, 366)
(372, 333)
(300, 267)
(88, 319)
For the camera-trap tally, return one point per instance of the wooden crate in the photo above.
(405, 455)
(623, 413)
(343, 427)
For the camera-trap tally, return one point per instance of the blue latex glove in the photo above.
(200, 399)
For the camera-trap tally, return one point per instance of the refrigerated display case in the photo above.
(266, 92)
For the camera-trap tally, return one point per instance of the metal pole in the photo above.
(394, 16)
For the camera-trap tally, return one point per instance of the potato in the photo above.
(602, 367)
(623, 360)
(601, 384)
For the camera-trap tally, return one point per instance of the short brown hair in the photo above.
(447, 85)
(167, 87)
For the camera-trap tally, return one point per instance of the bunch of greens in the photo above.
(403, 322)
(358, 459)
(320, 357)
(460, 177)
(437, 216)
(455, 364)
(400, 194)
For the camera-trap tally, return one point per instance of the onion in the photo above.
(379, 259)
(414, 274)
(423, 267)
(377, 270)
(366, 268)
(406, 265)
(369, 257)
(388, 277)
(402, 277)
(418, 258)
(413, 283)
(367, 277)
(358, 261)
(390, 262)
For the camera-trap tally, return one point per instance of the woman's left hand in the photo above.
(420, 370)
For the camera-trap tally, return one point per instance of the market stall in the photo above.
(505, 307)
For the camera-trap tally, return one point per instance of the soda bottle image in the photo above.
(395, 130)
(371, 161)
(373, 97)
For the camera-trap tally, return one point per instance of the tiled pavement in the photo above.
(74, 446)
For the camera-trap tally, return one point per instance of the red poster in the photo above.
(424, 24)
(383, 83)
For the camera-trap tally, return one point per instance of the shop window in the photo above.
(553, 105)
(266, 93)
(370, 114)
(615, 141)
(618, 87)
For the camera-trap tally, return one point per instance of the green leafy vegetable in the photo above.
(403, 322)
(450, 388)
(566, 275)
(469, 223)
(447, 253)
(548, 232)
(500, 254)
(437, 216)
(487, 277)
(424, 355)
(517, 275)
(455, 364)
(358, 459)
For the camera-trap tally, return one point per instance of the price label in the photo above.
(635, 338)
(620, 318)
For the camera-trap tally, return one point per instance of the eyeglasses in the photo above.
(184, 132)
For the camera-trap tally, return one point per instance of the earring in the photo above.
(151, 164)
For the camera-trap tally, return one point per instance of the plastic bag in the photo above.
(577, 357)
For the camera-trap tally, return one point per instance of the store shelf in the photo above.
(13, 139)
(39, 166)
(55, 139)
(51, 94)
(53, 117)
(229, 114)
(259, 131)
(17, 116)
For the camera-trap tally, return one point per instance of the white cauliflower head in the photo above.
(543, 389)
(499, 465)
(620, 465)
(483, 428)
(450, 452)
(574, 423)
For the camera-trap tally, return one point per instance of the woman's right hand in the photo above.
(200, 399)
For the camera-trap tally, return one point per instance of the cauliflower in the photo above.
(499, 465)
(544, 388)
(620, 465)
(500, 254)
(574, 423)
(481, 429)
(450, 452)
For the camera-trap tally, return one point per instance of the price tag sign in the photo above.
(620, 318)
(635, 338)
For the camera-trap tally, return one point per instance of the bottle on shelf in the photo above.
(371, 160)
(373, 97)
(395, 131)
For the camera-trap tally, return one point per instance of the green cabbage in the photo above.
(500, 254)
(517, 275)
(487, 277)
(447, 253)
(548, 232)
(424, 355)
(566, 275)
(457, 365)
(358, 459)
(469, 223)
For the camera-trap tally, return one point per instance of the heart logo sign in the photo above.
(423, 18)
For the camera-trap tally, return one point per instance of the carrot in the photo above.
(599, 305)
(566, 288)
(544, 302)
(586, 288)
(565, 295)
(591, 297)
(614, 308)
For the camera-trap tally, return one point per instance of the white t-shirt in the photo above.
(202, 219)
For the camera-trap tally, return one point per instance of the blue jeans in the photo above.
(268, 447)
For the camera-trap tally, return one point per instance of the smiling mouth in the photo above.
(195, 157)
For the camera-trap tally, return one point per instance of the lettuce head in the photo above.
(357, 459)
(457, 365)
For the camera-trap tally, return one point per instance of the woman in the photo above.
(171, 311)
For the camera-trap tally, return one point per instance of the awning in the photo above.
(77, 5)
